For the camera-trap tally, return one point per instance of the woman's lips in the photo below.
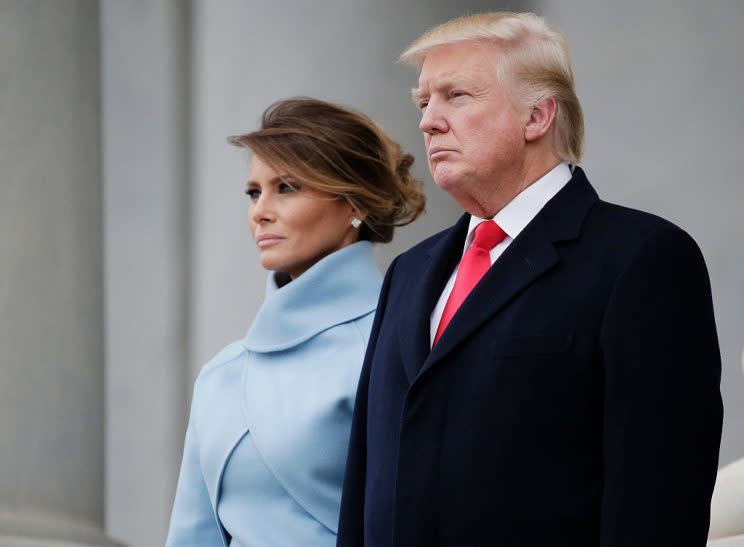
(267, 240)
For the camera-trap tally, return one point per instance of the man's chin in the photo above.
(449, 182)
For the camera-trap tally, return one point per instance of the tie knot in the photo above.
(488, 234)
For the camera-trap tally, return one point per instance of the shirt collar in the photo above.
(520, 211)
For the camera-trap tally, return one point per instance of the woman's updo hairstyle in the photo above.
(344, 153)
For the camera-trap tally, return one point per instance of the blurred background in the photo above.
(125, 257)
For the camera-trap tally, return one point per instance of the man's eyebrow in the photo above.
(443, 86)
(416, 95)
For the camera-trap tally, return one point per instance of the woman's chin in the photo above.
(268, 264)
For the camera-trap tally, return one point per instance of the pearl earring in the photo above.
(355, 222)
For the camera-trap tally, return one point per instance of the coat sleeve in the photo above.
(351, 523)
(662, 404)
(193, 522)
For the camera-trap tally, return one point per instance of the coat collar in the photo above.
(528, 257)
(338, 288)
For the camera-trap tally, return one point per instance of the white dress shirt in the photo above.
(512, 219)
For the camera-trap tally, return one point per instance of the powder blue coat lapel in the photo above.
(291, 384)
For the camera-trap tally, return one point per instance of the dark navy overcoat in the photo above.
(573, 401)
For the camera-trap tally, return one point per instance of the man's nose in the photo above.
(433, 120)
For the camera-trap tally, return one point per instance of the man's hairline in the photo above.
(502, 79)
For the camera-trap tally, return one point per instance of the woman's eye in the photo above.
(286, 188)
(252, 193)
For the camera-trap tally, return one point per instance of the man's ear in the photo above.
(541, 119)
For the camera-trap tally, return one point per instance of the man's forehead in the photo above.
(470, 76)
(458, 63)
(443, 80)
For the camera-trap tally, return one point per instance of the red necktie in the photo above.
(475, 262)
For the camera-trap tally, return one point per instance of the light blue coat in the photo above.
(265, 448)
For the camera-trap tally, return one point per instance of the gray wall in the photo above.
(661, 85)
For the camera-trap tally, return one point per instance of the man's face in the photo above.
(473, 133)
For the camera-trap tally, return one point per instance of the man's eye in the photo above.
(456, 94)
(422, 104)
(252, 193)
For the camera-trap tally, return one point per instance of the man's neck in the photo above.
(496, 198)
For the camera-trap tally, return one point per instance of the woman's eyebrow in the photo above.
(276, 180)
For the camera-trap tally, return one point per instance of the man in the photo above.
(545, 373)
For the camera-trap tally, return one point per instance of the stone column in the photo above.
(51, 300)
(146, 187)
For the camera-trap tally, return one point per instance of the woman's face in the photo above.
(294, 225)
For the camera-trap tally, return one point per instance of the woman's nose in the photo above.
(262, 210)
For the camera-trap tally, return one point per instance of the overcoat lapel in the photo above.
(526, 259)
(423, 293)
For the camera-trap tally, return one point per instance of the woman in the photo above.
(265, 449)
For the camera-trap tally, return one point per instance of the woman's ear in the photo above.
(356, 212)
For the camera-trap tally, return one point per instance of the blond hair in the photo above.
(343, 152)
(534, 66)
